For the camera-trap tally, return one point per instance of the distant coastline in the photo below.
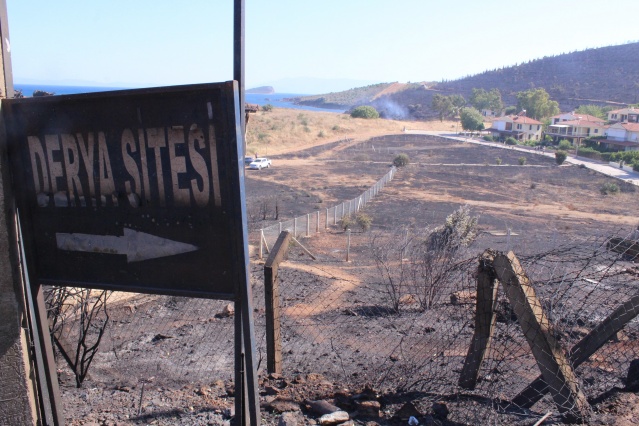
(278, 100)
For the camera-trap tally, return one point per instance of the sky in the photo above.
(299, 46)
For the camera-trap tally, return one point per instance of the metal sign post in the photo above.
(139, 191)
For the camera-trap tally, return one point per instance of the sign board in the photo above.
(136, 190)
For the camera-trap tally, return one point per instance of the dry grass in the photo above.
(285, 130)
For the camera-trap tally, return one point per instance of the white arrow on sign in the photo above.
(137, 246)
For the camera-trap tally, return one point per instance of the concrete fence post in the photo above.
(326, 224)
(318, 222)
(294, 227)
(308, 224)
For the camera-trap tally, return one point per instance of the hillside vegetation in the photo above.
(603, 76)
(349, 98)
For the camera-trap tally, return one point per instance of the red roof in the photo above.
(519, 119)
(578, 116)
(631, 127)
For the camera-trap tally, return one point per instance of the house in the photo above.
(577, 129)
(571, 116)
(624, 115)
(518, 126)
(622, 137)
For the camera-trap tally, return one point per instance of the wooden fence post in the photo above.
(552, 362)
(485, 316)
(587, 346)
(272, 302)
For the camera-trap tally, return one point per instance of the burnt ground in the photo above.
(337, 324)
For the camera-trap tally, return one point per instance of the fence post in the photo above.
(280, 227)
(261, 242)
(295, 226)
(326, 224)
(308, 224)
(318, 221)
(335, 215)
(272, 302)
(348, 244)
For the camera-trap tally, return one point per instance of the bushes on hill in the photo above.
(609, 188)
(522, 161)
(564, 145)
(401, 160)
(488, 138)
(511, 141)
(364, 111)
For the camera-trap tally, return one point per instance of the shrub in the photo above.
(488, 138)
(267, 107)
(609, 188)
(401, 160)
(364, 111)
(498, 161)
(635, 167)
(564, 145)
(522, 161)
(560, 157)
(511, 141)
(364, 221)
(346, 222)
(320, 134)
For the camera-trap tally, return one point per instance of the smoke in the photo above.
(391, 109)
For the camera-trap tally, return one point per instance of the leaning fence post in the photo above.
(272, 304)
(551, 360)
(348, 244)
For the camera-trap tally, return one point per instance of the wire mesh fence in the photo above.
(319, 220)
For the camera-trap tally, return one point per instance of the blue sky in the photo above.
(296, 45)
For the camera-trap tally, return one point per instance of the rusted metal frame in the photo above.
(581, 351)
(485, 317)
(552, 362)
(272, 302)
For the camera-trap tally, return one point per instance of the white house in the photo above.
(622, 136)
(624, 115)
(576, 130)
(519, 127)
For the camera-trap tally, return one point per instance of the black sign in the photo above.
(135, 190)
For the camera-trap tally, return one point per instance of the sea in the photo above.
(275, 99)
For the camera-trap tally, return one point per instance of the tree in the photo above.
(595, 110)
(364, 111)
(471, 119)
(482, 100)
(458, 102)
(537, 104)
(443, 105)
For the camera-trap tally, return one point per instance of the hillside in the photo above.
(607, 75)
(349, 98)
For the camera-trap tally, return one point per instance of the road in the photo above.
(604, 168)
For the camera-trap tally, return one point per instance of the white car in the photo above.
(260, 163)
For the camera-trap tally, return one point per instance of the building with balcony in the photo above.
(624, 115)
(575, 131)
(622, 137)
(519, 127)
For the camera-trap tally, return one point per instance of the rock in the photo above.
(202, 391)
(322, 407)
(406, 412)
(334, 418)
(407, 299)
(281, 405)
(228, 311)
(463, 297)
(440, 410)
(271, 390)
(299, 379)
(368, 408)
(275, 376)
(291, 419)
